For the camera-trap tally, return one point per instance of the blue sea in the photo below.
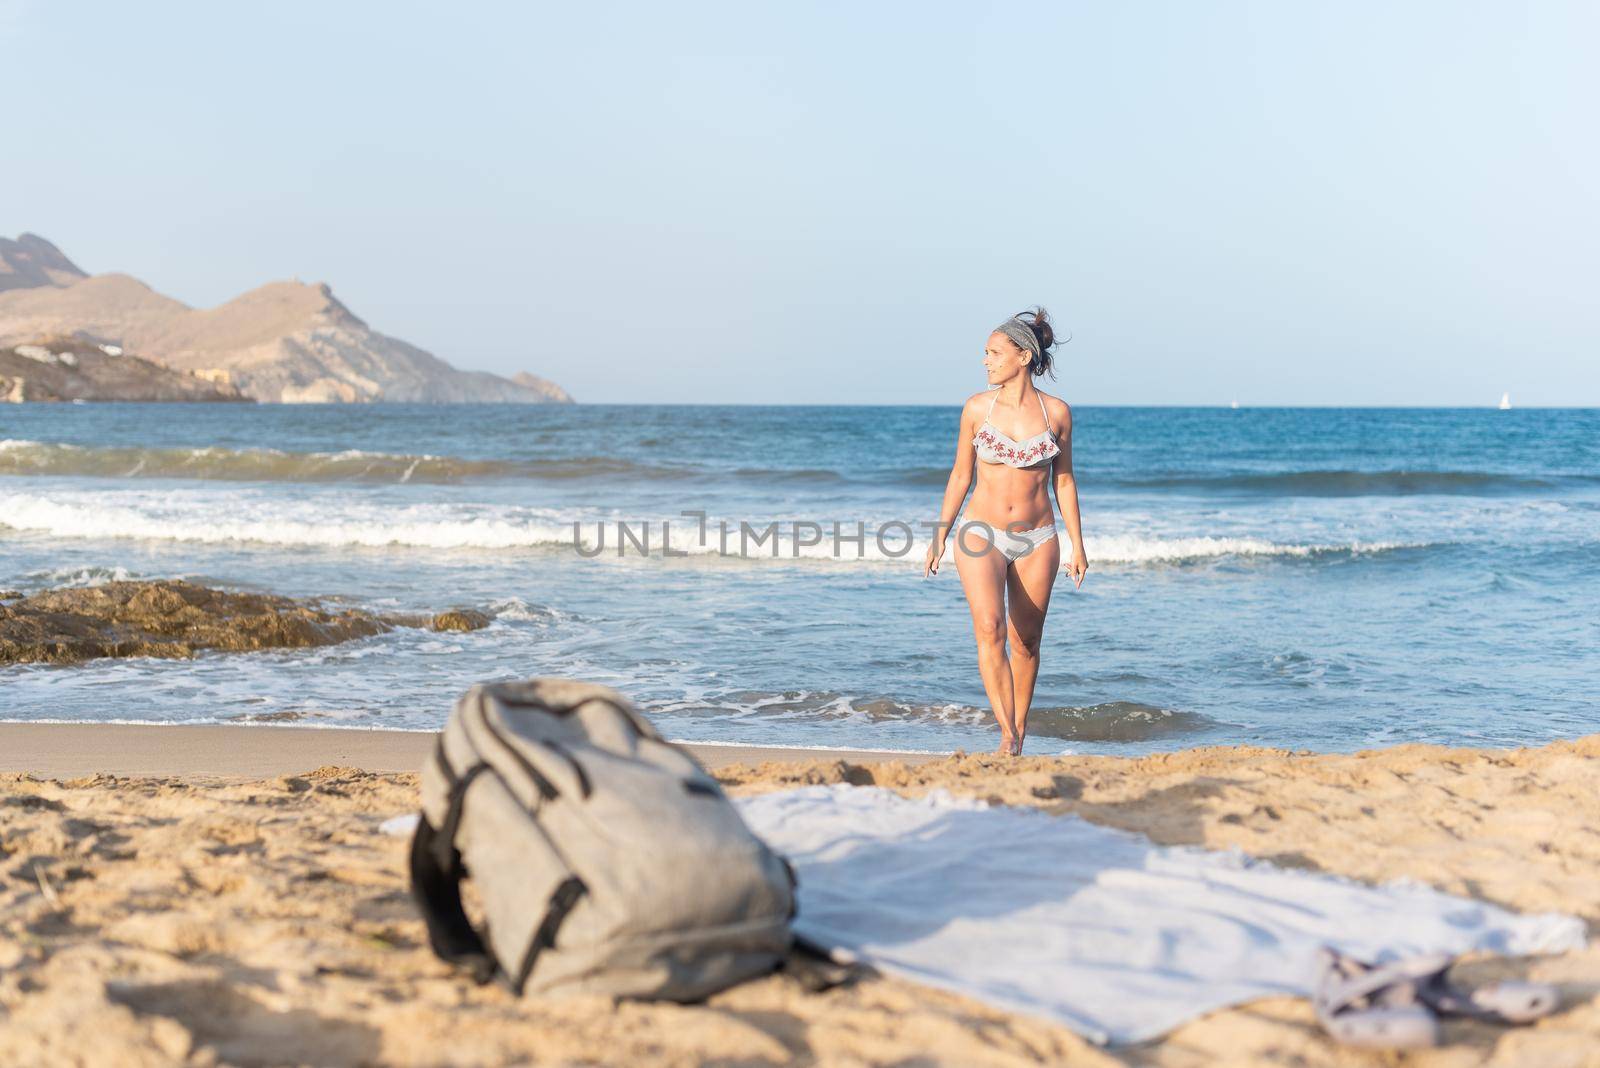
(1322, 579)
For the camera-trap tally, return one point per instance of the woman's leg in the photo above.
(1028, 585)
(983, 578)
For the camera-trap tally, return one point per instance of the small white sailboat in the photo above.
(1505, 402)
(1234, 405)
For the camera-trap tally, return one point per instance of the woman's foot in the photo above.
(1008, 744)
(1016, 746)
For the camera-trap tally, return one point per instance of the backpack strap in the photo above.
(818, 968)
(436, 873)
(437, 892)
(794, 886)
(565, 896)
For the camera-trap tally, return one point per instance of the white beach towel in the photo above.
(1100, 930)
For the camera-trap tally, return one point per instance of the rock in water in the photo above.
(459, 619)
(170, 618)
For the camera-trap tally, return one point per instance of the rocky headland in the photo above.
(284, 342)
(176, 619)
(69, 369)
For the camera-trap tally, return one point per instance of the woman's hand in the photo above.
(1078, 566)
(930, 564)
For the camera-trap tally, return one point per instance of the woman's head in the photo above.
(1020, 345)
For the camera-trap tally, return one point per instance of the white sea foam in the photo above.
(325, 521)
(1131, 549)
(209, 721)
(275, 523)
(515, 608)
(81, 576)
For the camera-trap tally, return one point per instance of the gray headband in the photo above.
(1023, 335)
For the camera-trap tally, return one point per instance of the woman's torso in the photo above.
(1013, 474)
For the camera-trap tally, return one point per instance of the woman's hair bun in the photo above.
(1038, 321)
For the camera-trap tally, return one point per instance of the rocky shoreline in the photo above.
(70, 369)
(176, 619)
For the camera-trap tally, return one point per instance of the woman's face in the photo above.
(1003, 359)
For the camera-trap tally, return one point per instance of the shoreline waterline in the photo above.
(71, 750)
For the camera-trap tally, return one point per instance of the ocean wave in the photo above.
(1111, 721)
(788, 475)
(517, 610)
(923, 476)
(1132, 549)
(1115, 721)
(1311, 483)
(20, 457)
(1340, 483)
(227, 521)
(46, 458)
(79, 577)
(357, 524)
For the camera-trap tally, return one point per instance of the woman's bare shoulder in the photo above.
(975, 403)
(1060, 411)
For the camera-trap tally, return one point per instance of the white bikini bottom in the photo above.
(1011, 543)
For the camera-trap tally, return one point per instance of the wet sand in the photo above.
(56, 750)
(221, 895)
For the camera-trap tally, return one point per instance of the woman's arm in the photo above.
(955, 489)
(1067, 501)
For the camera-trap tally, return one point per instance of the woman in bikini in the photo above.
(1006, 546)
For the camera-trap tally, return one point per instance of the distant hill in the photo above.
(289, 342)
(31, 261)
(541, 385)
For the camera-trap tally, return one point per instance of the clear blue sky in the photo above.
(1352, 203)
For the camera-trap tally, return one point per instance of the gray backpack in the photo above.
(605, 859)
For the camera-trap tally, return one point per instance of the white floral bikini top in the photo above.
(995, 447)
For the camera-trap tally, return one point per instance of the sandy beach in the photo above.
(66, 750)
(221, 895)
(850, 391)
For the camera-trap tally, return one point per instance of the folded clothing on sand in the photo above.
(1098, 929)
